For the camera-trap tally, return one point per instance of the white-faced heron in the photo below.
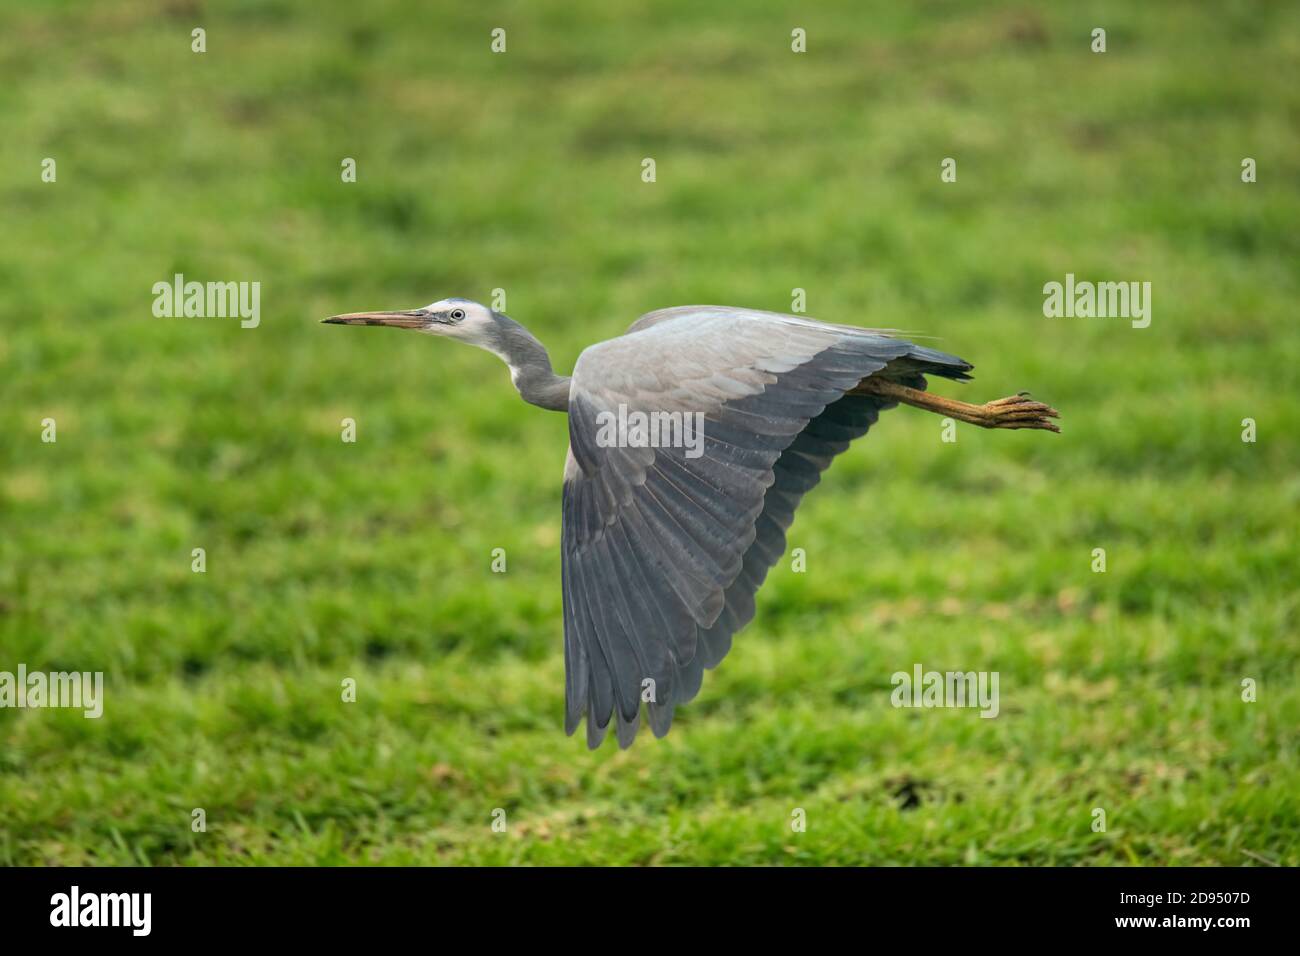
(692, 439)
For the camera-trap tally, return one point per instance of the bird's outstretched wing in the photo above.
(664, 547)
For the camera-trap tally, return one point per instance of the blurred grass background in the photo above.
(521, 171)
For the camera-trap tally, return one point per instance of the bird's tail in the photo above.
(928, 361)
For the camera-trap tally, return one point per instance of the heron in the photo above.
(664, 546)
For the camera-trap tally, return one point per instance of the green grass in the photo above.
(371, 560)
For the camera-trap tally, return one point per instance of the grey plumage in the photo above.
(663, 549)
(663, 553)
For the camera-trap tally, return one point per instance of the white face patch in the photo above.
(476, 328)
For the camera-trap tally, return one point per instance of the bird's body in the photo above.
(665, 543)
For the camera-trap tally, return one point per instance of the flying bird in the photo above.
(665, 542)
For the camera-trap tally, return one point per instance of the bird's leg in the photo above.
(1014, 411)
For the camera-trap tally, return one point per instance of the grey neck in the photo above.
(530, 366)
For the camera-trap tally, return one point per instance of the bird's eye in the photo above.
(458, 314)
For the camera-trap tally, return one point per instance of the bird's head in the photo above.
(456, 318)
(476, 324)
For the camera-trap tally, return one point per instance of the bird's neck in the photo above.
(530, 367)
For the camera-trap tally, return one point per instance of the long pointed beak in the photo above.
(398, 320)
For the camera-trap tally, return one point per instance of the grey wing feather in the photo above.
(663, 551)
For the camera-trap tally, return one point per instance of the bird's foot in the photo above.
(1016, 411)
